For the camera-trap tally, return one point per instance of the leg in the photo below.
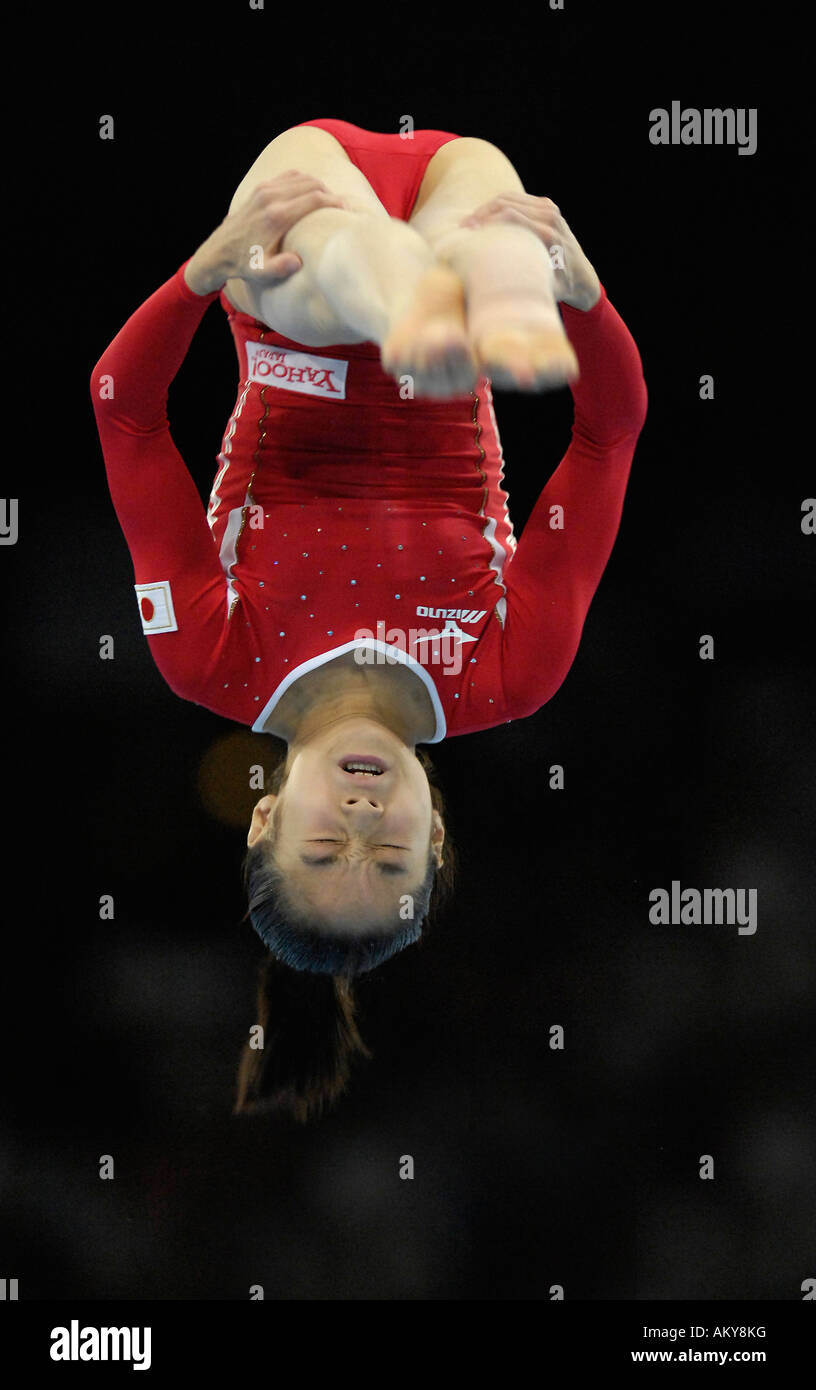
(513, 323)
(360, 267)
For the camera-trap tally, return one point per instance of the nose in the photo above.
(362, 805)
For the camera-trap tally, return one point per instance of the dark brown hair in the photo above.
(310, 1037)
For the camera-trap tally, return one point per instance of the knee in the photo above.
(473, 147)
(446, 242)
(475, 166)
(312, 230)
(450, 242)
(464, 248)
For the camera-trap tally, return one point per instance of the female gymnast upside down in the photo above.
(355, 587)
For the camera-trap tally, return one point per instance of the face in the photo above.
(352, 843)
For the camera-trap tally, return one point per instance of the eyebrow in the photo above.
(334, 859)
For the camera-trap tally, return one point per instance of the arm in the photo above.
(155, 499)
(555, 571)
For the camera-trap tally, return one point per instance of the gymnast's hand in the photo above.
(575, 280)
(246, 246)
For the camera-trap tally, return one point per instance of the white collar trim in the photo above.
(396, 653)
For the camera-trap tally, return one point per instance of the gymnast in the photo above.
(354, 586)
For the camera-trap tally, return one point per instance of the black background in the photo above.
(533, 1167)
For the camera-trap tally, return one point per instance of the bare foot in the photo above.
(521, 344)
(429, 339)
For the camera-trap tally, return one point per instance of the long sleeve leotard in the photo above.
(344, 513)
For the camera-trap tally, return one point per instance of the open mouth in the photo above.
(365, 766)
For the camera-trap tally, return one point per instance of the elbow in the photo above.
(636, 413)
(641, 405)
(530, 701)
(101, 382)
(635, 418)
(115, 404)
(562, 649)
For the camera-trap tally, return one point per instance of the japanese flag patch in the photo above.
(156, 607)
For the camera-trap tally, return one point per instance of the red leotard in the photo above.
(345, 515)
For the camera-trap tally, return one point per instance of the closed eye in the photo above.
(333, 858)
(340, 842)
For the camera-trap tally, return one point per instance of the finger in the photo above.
(298, 207)
(483, 210)
(516, 215)
(297, 174)
(474, 219)
(540, 207)
(528, 200)
(284, 265)
(523, 219)
(503, 204)
(549, 234)
(302, 183)
(544, 205)
(293, 181)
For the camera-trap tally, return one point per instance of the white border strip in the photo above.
(315, 661)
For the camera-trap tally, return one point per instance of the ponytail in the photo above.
(305, 1004)
(310, 1041)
